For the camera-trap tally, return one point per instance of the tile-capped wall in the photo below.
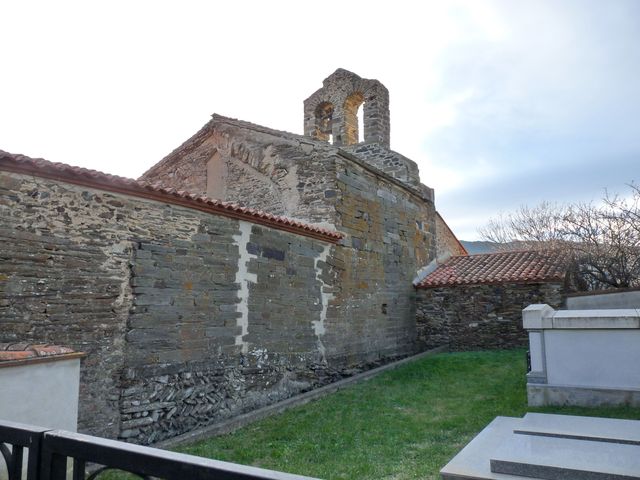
(177, 334)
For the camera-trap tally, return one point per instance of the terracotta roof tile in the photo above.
(508, 267)
(23, 351)
(92, 178)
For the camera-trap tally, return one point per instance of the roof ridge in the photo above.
(523, 266)
(523, 250)
(216, 117)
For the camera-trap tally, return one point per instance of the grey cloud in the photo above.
(557, 118)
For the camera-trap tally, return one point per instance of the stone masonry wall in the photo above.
(186, 317)
(447, 243)
(390, 226)
(209, 341)
(189, 317)
(392, 163)
(277, 172)
(64, 279)
(476, 317)
(391, 232)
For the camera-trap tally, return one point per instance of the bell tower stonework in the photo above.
(331, 113)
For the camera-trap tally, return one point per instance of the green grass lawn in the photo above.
(404, 424)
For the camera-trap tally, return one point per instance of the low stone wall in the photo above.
(187, 317)
(143, 287)
(474, 317)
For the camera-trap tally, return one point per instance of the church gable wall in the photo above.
(390, 228)
(447, 243)
(283, 175)
(190, 172)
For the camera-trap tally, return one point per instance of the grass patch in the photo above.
(404, 424)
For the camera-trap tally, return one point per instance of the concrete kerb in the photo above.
(232, 424)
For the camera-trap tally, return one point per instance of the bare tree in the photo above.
(601, 242)
(527, 228)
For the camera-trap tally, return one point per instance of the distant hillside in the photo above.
(490, 247)
(480, 247)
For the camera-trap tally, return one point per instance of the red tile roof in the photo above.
(17, 352)
(491, 268)
(113, 183)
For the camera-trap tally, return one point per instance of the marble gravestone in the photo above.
(550, 447)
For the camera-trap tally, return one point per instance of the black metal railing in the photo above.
(49, 451)
(20, 437)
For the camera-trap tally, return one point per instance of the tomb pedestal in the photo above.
(550, 447)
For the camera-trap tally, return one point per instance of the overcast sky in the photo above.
(501, 103)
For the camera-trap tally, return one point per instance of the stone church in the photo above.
(328, 177)
(248, 265)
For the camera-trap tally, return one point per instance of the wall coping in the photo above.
(543, 317)
(61, 172)
(18, 354)
(502, 283)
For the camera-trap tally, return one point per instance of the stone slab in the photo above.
(473, 461)
(581, 428)
(554, 458)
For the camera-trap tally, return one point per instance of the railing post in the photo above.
(79, 467)
(53, 466)
(21, 436)
(50, 451)
(33, 462)
(16, 466)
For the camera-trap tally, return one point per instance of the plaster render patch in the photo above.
(288, 190)
(115, 255)
(243, 277)
(318, 325)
